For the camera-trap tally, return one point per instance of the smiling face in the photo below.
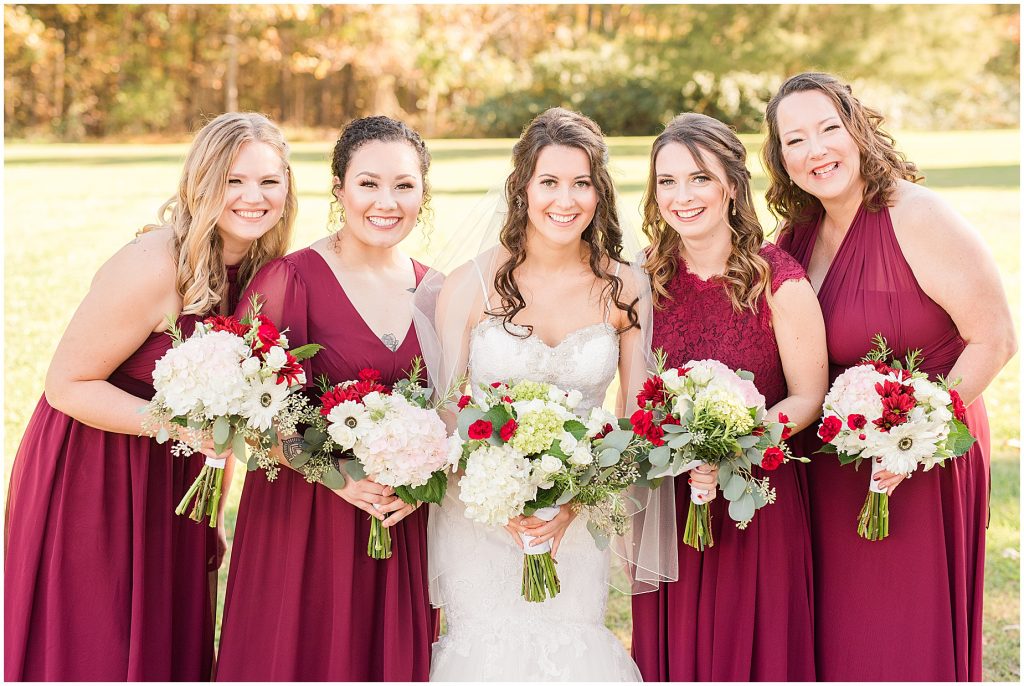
(382, 193)
(818, 152)
(254, 199)
(691, 201)
(560, 196)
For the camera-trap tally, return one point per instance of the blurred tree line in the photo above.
(76, 72)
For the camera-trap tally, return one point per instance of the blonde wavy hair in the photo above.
(881, 165)
(192, 214)
(747, 275)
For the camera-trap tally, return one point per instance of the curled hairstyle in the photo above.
(357, 133)
(603, 236)
(192, 214)
(747, 275)
(881, 165)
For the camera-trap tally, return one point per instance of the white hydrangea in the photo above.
(203, 376)
(496, 485)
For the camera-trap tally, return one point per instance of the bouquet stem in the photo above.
(873, 522)
(204, 493)
(540, 579)
(379, 545)
(698, 527)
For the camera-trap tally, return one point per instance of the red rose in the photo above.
(480, 430)
(508, 431)
(266, 333)
(786, 431)
(497, 384)
(229, 324)
(605, 430)
(655, 435)
(758, 431)
(463, 401)
(653, 391)
(830, 428)
(641, 421)
(856, 421)
(773, 457)
(959, 409)
(369, 374)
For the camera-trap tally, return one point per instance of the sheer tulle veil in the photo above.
(450, 301)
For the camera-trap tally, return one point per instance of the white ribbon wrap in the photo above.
(547, 514)
(215, 462)
(695, 492)
(876, 467)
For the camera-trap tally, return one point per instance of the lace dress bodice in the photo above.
(585, 360)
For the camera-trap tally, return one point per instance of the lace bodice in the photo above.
(700, 323)
(585, 360)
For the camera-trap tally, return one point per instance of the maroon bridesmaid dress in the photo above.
(304, 601)
(102, 581)
(741, 610)
(909, 607)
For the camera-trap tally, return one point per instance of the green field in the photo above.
(68, 208)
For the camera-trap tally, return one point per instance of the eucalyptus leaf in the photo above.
(251, 464)
(600, 538)
(354, 468)
(301, 459)
(608, 457)
(221, 430)
(673, 428)
(238, 445)
(775, 432)
(735, 489)
(660, 456)
(618, 439)
(314, 438)
(724, 477)
(748, 441)
(162, 435)
(742, 510)
(567, 495)
(586, 477)
(332, 478)
(680, 440)
(744, 374)
(759, 500)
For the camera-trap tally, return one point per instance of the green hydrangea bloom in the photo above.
(536, 431)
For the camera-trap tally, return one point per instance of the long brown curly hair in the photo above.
(192, 214)
(747, 275)
(881, 165)
(603, 236)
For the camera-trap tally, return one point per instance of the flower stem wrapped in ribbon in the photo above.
(705, 413)
(524, 451)
(393, 435)
(890, 413)
(231, 382)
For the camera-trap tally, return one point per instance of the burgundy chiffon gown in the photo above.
(741, 610)
(909, 607)
(304, 601)
(102, 581)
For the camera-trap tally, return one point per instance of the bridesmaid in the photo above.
(304, 601)
(103, 582)
(889, 256)
(740, 610)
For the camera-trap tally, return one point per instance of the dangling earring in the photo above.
(733, 204)
(519, 202)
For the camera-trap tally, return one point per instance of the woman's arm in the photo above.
(956, 270)
(800, 335)
(130, 297)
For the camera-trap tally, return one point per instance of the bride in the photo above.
(554, 302)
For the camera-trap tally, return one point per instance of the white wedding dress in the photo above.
(493, 633)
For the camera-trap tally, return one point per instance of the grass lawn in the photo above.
(69, 207)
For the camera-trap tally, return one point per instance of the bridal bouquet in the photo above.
(393, 434)
(706, 413)
(230, 381)
(524, 451)
(888, 412)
